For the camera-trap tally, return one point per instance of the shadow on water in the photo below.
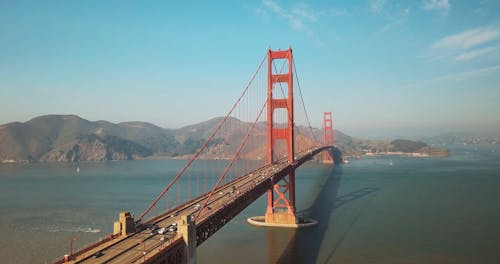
(304, 245)
(337, 156)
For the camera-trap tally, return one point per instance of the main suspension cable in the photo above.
(181, 172)
(302, 99)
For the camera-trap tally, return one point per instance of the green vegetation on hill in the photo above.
(189, 146)
(404, 145)
(128, 148)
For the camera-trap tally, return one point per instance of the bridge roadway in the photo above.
(143, 245)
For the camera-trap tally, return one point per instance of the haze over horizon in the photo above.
(383, 67)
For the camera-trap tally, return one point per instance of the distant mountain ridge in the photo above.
(70, 138)
(462, 138)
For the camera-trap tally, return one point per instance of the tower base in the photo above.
(281, 218)
(261, 221)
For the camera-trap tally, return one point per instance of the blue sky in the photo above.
(383, 67)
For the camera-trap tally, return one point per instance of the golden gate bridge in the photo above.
(222, 179)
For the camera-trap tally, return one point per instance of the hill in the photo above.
(462, 138)
(69, 138)
(402, 145)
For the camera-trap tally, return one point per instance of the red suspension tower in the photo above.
(281, 197)
(327, 136)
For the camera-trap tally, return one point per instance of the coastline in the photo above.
(444, 153)
(439, 153)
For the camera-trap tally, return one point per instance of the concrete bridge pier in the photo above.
(187, 228)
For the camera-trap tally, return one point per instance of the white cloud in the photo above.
(392, 25)
(441, 5)
(469, 55)
(467, 45)
(377, 6)
(456, 77)
(260, 12)
(300, 17)
(295, 17)
(396, 20)
(274, 7)
(305, 12)
(473, 74)
(468, 39)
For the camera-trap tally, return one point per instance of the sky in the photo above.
(383, 67)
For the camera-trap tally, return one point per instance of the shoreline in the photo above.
(431, 153)
(444, 153)
(10, 161)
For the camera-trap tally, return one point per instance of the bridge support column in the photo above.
(280, 210)
(125, 225)
(327, 136)
(188, 230)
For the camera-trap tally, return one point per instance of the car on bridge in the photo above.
(98, 254)
(172, 228)
(162, 230)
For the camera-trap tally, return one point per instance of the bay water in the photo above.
(373, 210)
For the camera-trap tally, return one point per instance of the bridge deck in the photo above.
(142, 246)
